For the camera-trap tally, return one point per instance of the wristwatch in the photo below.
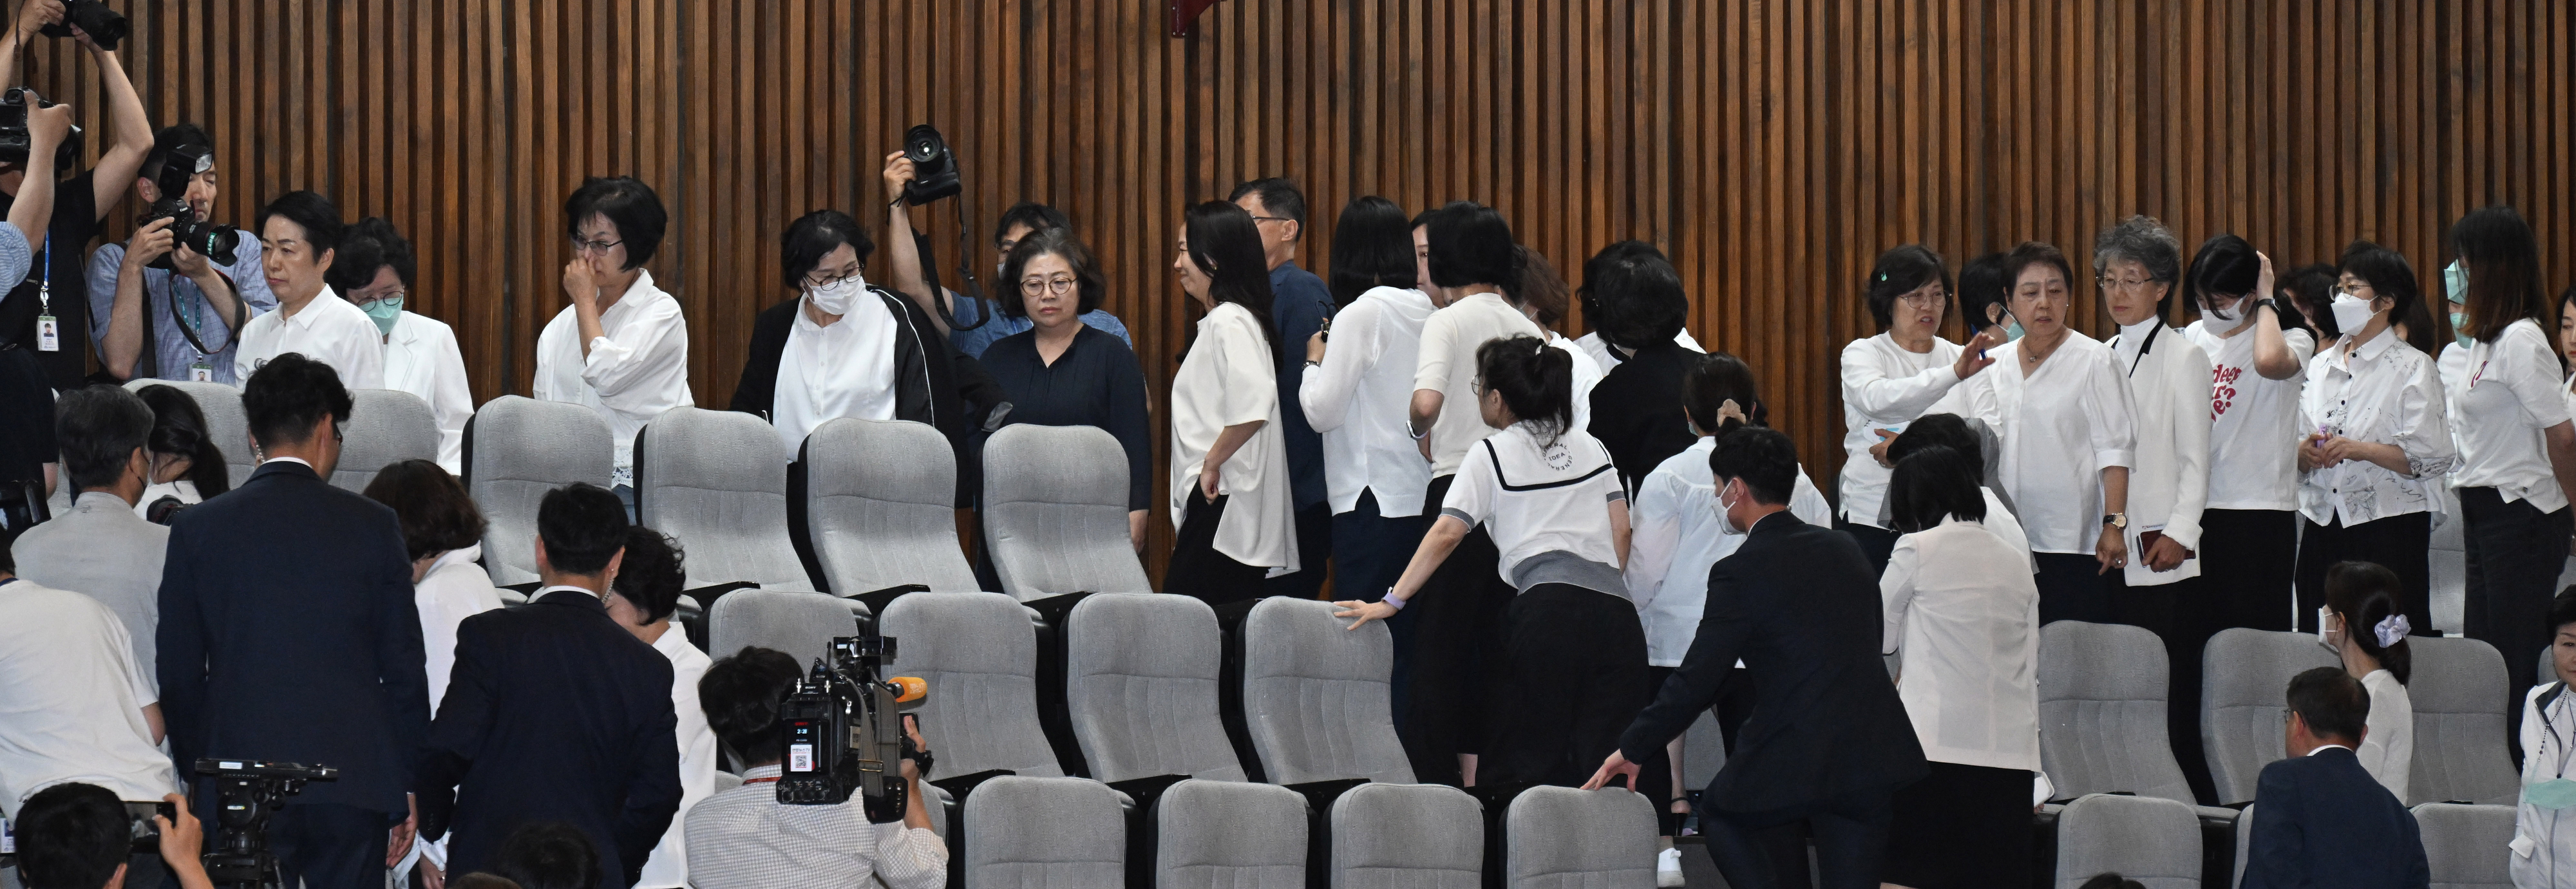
(2116, 520)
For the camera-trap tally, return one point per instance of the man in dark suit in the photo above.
(556, 713)
(288, 634)
(1828, 742)
(2319, 818)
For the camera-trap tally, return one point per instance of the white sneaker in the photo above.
(1668, 869)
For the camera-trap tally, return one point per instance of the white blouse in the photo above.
(454, 589)
(421, 358)
(845, 369)
(1448, 366)
(1607, 358)
(1229, 379)
(1359, 399)
(1543, 501)
(2502, 396)
(328, 329)
(2384, 393)
(2387, 749)
(2062, 424)
(2169, 477)
(1887, 387)
(1586, 375)
(1965, 616)
(1676, 535)
(2254, 421)
(637, 368)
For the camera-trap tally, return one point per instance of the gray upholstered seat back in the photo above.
(1044, 833)
(1407, 836)
(1563, 838)
(1055, 512)
(2458, 689)
(1316, 697)
(800, 623)
(385, 427)
(979, 652)
(716, 481)
(2244, 698)
(1229, 835)
(2102, 712)
(516, 450)
(1140, 680)
(880, 506)
(2153, 841)
(1703, 751)
(2465, 845)
(226, 423)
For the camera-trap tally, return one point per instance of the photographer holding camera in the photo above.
(172, 313)
(80, 836)
(745, 838)
(49, 311)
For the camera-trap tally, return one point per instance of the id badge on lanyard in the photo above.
(49, 333)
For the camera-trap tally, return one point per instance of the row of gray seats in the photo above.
(385, 427)
(2158, 842)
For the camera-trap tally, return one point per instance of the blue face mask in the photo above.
(386, 312)
(2555, 793)
(2460, 320)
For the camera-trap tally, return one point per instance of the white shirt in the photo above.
(1557, 504)
(1359, 399)
(2544, 841)
(1228, 379)
(743, 839)
(328, 329)
(2254, 421)
(2387, 750)
(1887, 387)
(72, 697)
(183, 489)
(2169, 475)
(421, 358)
(668, 868)
(1586, 374)
(2062, 425)
(2385, 393)
(1608, 359)
(454, 589)
(1676, 535)
(637, 368)
(1448, 366)
(843, 370)
(2502, 396)
(1965, 614)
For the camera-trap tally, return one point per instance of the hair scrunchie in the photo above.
(2392, 630)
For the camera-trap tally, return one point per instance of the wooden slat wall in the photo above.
(1772, 149)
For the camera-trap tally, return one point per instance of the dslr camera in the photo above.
(16, 142)
(842, 731)
(105, 27)
(247, 794)
(212, 241)
(934, 167)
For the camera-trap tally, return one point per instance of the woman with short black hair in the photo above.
(1904, 372)
(2069, 439)
(1637, 407)
(2257, 353)
(1354, 392)
(1063, 372)
(621, 348)
(1232, 512)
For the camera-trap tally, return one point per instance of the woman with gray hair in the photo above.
(2137, 263)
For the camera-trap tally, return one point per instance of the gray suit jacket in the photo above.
(101, 549)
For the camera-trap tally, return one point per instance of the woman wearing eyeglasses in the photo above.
(1064, 372)
(1904, 372)
(621, 348)
(2069, 439)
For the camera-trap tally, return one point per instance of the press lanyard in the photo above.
(49, 334)
(192, 313)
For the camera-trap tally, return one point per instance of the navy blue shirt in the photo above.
(1096, 382)
(1298, 306)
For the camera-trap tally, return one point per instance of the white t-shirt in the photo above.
(2387, 749)
(1450, 338)
(421, 358)
(2062, 425)
(1228, 379)
(1887, 387)
(328, 329)
(843, 370)
(454, 589)
(2502, 396)
(1359, 398)
(1543, 504)
(1677, 534)
(72, 697)
(668, 866)
(2253, 421)
(637, 368)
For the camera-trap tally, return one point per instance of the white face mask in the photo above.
(2226, 315)
(835, 298)
(2324, 617)
(2351, 313)
(1726, 524)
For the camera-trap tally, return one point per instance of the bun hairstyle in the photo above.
(2225, 266)
(1712, 381)
(1900, 271)
(1535, 381)
(179, 428)
(2366, 594)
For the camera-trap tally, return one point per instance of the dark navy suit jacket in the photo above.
(288, 634)
(2323, 821)
(553, 713)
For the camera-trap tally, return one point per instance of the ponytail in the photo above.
(1715, 379)
(179, 429)
(1535, 380)
(2366, 595)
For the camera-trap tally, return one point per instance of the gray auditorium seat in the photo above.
(979, 652)
(716, 482)
(1703, 751)
(2153, 841)
(2244, 842)
(1229, 835)
(1140, 682)
(1055, 512)
(2466, 845)
(2458, 689)
(2244, 696)
(517, 449)
(225, 421)
(1563, 838)
(797, 622)
(1407, 836)
(2446, 558)
(2102, 712)
(1044, 833)
(880, 506)
(385, 427)
(1316, 696)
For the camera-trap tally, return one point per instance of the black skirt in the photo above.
(1961, 826)
(1197, 569)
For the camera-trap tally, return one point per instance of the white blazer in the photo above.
(2169, 475)
(1960, 606)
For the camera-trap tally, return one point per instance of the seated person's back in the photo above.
(101, 548)
(2320, 819)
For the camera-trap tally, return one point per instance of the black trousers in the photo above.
(1370, 551)
(1197, 569)
(2248, 559)
(1875, 543)
(1761, 850)
(1314, 556)
(329, 846)
(2071, 587)
(1575, 668)
(2515, 554)
(1457, 646)
(2399, 543)
(1961, 827)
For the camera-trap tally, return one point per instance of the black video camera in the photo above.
(16, 142)
(105, 27)
(145, 831)
(246, 794)
(842, 732)
(934, 167)
(214, 242)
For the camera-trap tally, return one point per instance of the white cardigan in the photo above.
(2169, 475)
